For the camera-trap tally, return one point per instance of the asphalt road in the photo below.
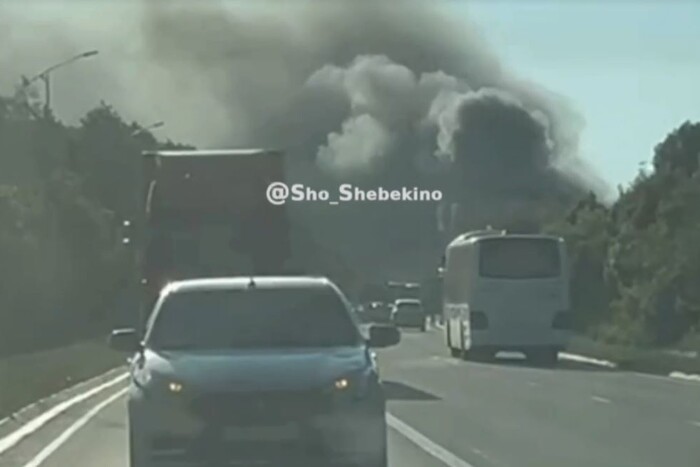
(449, 412)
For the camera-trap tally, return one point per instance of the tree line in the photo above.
(636, 264)
(65, 191)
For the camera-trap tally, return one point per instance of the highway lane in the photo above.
(103, 442)
(483, 415)
(507, 414)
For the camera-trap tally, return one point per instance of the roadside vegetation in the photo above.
(636, 263)
(65, 191)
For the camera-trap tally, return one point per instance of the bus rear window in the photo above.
(519, 258)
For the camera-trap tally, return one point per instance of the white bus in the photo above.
(506, 292)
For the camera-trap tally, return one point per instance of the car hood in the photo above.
(256, 370)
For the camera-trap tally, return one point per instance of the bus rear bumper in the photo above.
(503, 342)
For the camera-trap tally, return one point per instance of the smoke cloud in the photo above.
(375, 93)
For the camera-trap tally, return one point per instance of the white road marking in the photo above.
(669, 378)
(685, 376)
(33, 425)
(89, 382)
(582, 359)
(445, 360)
(71, 430)
(532, 384)
(423, 442)
(602, 400)
(480, 453)
(694, 423)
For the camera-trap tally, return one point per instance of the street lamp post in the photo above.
(45, 77)
(152, 126)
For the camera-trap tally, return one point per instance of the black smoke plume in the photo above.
(375, 93)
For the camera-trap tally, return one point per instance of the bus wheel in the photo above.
(546, 357)
(477, 355)
(448, 339)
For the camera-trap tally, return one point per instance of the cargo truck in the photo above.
(207, 215)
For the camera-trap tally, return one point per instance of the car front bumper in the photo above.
(408, 319)
(167, 433)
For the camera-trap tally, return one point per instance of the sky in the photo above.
(631, 68)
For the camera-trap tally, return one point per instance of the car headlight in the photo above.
(352, 386)
(153, 383)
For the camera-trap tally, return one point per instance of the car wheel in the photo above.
(380, 460)
(134, 458)
(137, 451)
(422, 327)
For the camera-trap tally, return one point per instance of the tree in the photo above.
(680, 151)
(635, 267)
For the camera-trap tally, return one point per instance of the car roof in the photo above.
(408, 301)
(477, 237)
(247, 282)
(213, 152)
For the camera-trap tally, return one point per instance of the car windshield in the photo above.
(259, 318)
(519, 258)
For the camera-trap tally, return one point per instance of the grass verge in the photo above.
(655, 361)
(27, 378)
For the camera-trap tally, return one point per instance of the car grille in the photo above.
(260, 408)
(305, 452)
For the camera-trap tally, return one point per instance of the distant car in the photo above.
(377, 312)
(262, 371)
(408, 312)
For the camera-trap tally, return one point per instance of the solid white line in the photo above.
(71, 430)
(33, 425)
(583, 359)
(435, 450)
(694, 423)
(601, 399)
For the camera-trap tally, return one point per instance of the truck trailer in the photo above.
(207, 215)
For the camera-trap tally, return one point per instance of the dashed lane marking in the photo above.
(426, 444)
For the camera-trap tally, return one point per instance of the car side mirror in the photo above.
(125, 340)
(383, 336)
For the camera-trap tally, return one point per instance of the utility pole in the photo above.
(45, 76)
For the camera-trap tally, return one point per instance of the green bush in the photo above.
(636, 264)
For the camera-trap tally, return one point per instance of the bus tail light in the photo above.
(562, 321)
(478, 320)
